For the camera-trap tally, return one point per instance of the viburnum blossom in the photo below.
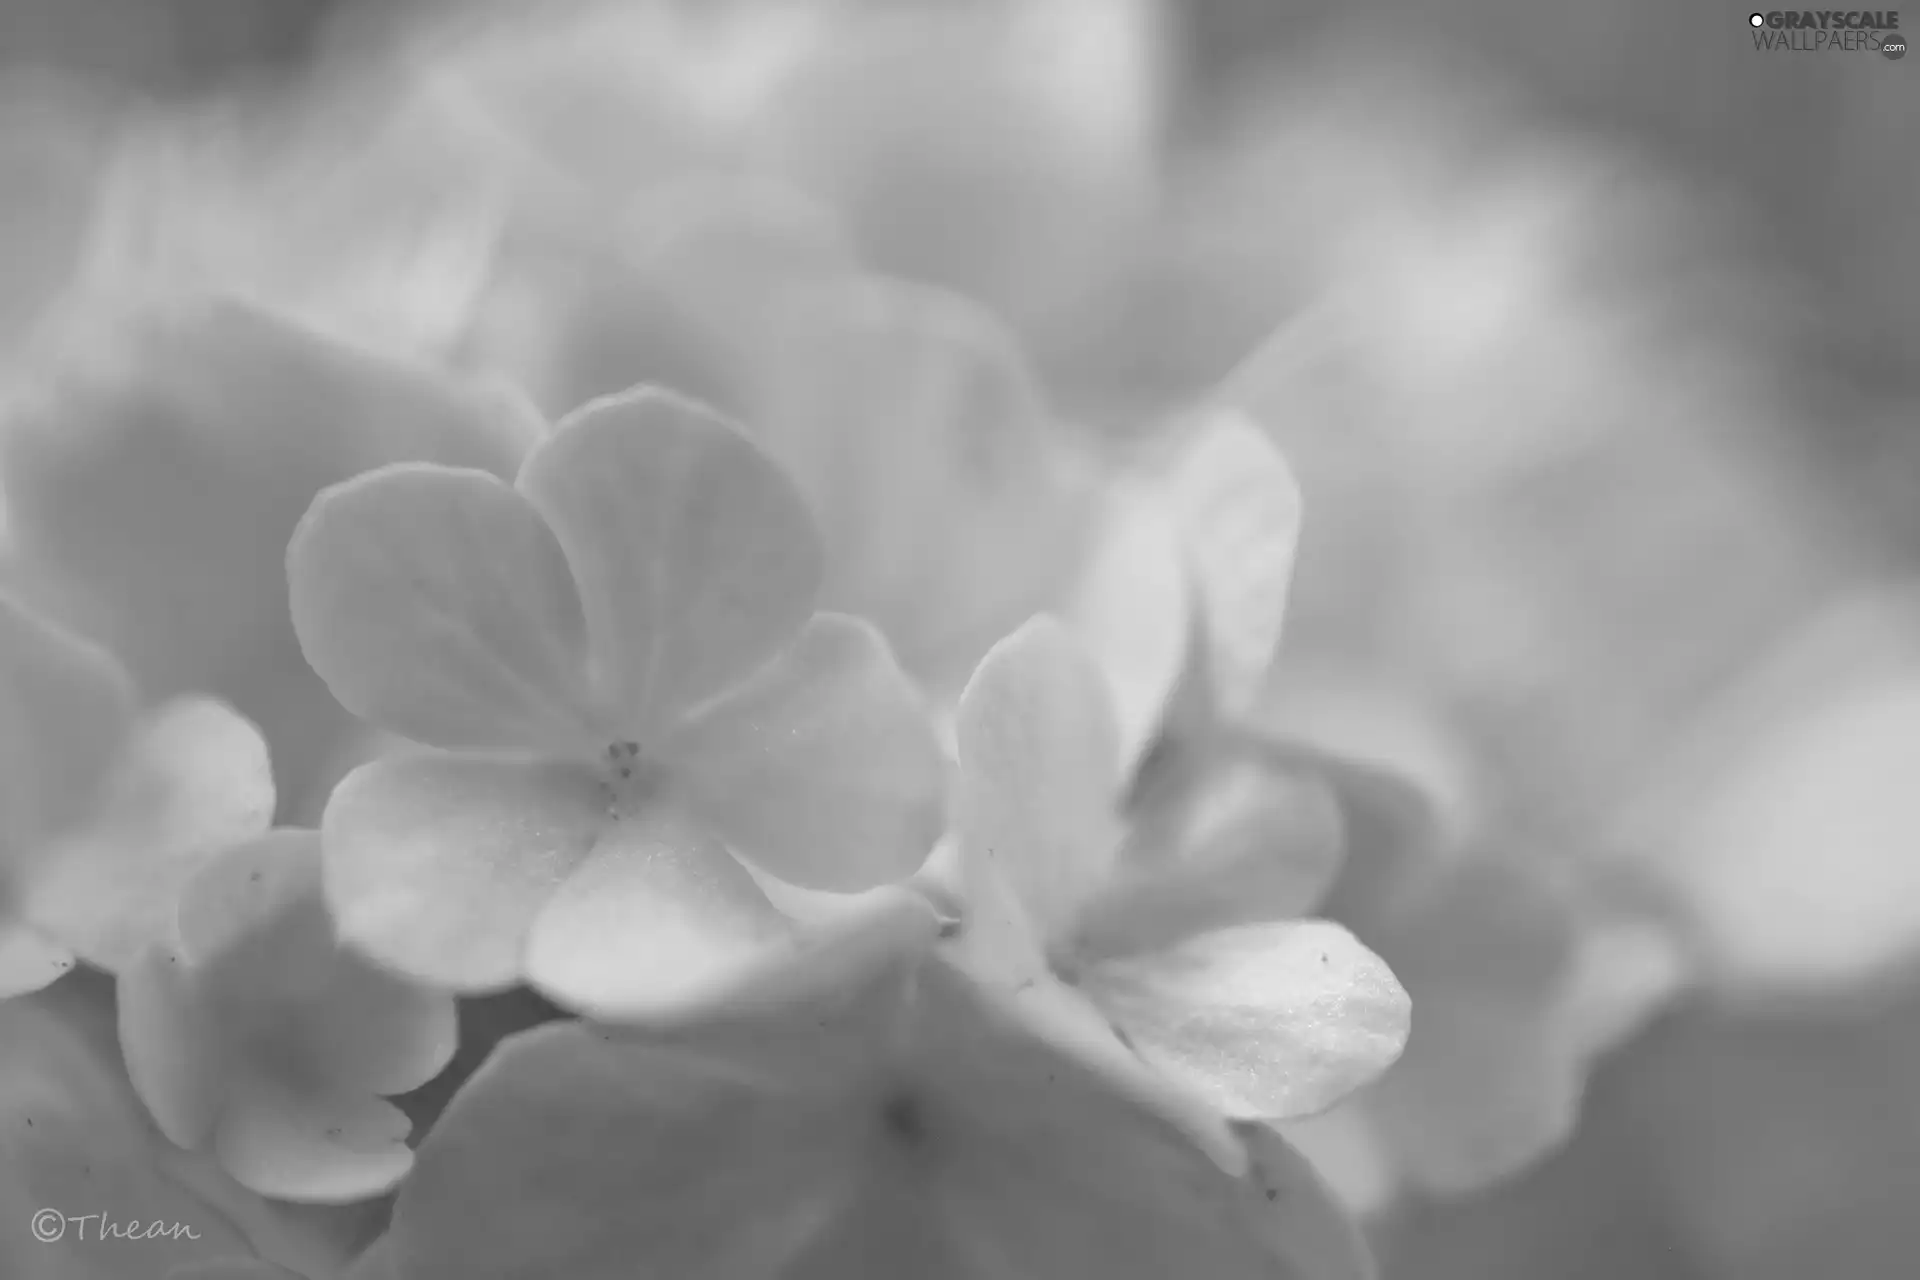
(1196, 966)
(249, 1032)
(633, 702)
(893, 1122)
(105, 811)
(154, 475)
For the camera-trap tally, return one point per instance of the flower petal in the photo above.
(696, 558)
(435, 603)
(28, 959)
(65, 705)
(316, 1150)
(235, 1268)
(193, 780)
(1039, 775)
(658, 920)
(438, 865)
(1308, 1226)
(1238, 509)
(1266, 1021)
(171, 1046)
(823, 768)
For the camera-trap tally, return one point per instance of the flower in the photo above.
(1200, 973)
(633, 701)
(74, 1139)
(105, 811)
(896, 1123)
(249, 1031)
(151, 488)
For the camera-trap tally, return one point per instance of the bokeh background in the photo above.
(1592, 334)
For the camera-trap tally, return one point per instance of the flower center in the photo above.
(631, 780)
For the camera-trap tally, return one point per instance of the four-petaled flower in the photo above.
(249, 1031)
(1191, 963)
(637, 709)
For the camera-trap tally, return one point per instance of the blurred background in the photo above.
(1591, 331)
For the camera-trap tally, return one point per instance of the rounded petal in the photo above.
(436, 603)
(172, 1048)
(1308, 1226)
(824, 768)
(193, 780)
(1237, 506)
(696, 558)
(28, 959)
(1266, 1021)
(65, 706)
(438, 865)
(659, 920)
(312, 1149)
(1039, 776)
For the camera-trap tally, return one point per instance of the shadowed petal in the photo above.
(435, 603)
(193, 780)
(696, 558)
(659, 919)
(28, 959)
(320, 1150)
(65, 705)
(1304, 1219)
(172, 1048)
(1266, 1021)
(438, 865)
(823, 769)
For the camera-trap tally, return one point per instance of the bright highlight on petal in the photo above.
(436, 603)
(696, 558)
(1268, 1021)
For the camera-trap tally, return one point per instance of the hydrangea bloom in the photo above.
(249, 1032)
(74, 1138)
(896, 1123)
(105, 811)
(153, 480)
(1195, 965)
(619, 661)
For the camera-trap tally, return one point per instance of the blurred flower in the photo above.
(74, 1139)
(619, 660)
(107, 811)
(249, 1032)
(153, 482)
(1266, 1020)
(895, 1124)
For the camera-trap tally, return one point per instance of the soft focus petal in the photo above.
(232, 1269)
(1267, 1021)
(155, 490)
(1254, 845)
(172, 1048)
(1309, 1227)
(28, 960)
(193, 780)
(1039, 775)
(657, 920)
(948, 509)
(320, 1150)
(824, 768)
(438, 865)
(695, 556)
(1238, 510)
(65, 705)
(436, 603)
